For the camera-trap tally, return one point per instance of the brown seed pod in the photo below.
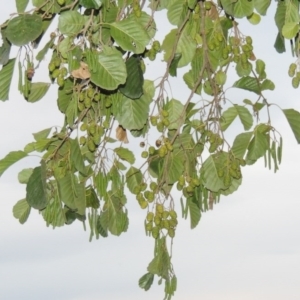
(121, 134)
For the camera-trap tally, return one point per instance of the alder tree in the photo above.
(97, 57)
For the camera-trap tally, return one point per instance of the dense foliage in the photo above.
(98, 54)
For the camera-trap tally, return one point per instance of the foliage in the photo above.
(98, 54)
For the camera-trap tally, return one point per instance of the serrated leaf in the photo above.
(240, 144)
(23, 29)
(146, 281)
(177, 10)
(195, 213)
(101, 183)
(108, 68)
(67, 190)
(125, 154)
(6, 74)
(91, 198)
(24, 175)
(134, 178)
(290, 30)
(41, 54)
(129, 35)
(54, 213)
(228, 117)
(173, 166)
(70, 23)
(43, 134)
(248, 83)
(176, 113)
(245, 116)
(4, 49)
(133, 114)
(21, 5)
(65, 95)
(36, 191)
(186, 46)
(262, 6)
(76, 157)
(49, 6)
(267, 84)
(37, 91)
(258, 146)
(293, 118)
(21, 211)
(133, 87)
(174, 64)
(10, 159)
(39, 146)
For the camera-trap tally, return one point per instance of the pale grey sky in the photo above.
(248, 247)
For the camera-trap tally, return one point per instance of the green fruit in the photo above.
(149, 226)
(207, 5)
(60, 81)
(173, 214)
(83, 127)
(153, 120)
(173, 222)
(155, 232)
(143, 186)
(143, 66)
(220, 77)
(143, 203)
(90, 93)
(136, 190)
(144, 154)
(181, 180)
(61, 2)
(64, 71)
(197, 9)
(162, 151)
(82, 140)
(165, 224)
(51, 67)
(55, 73)
(91, 145)
(295, 82)
(249, 40)
(108, 102)
(153, 186)
(221, 173)
(166, 122)
(87, 102)
(165, 113)
(179, 186)
(92, 128)
(219, 36)
(157, 220)
(151, 150)
(81, 96)
(171, 231)
(165, 214)
(150, 216)
(150, 197)
(159, 208)
(81, 106)
(96, 139)
(97, 97)
(151, 54)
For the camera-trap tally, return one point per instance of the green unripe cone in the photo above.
(61, 2)
(156, 46)
(83, 127)
(151, 150)
(155, 232)
(171, 231)
(150, 216)
(82, 140)
(159, 208)
(51, 67)
(295, 82)
(173, 214)
(144, 154)
(153, 186)
(91, 145)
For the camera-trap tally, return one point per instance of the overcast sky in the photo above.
(248, 247)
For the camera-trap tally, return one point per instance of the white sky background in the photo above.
(248, 247)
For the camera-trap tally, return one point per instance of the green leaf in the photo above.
(21, 211)
(290, 30)
(146, 281)
(101, 183)
(134, 178)
(195, 213)
(133, 87)
(70, 23)
(228, 117)
(43, 134)
(76, 156)
(21, 5)
(280, 15)
(65, 95)
(186, 46)
(146, 22)
(125, 154)
(267, 85)
(49, 6)
(245, 116)
(262, 6)
(4, 49)
(37, 91)
(279, 43)
(176, 113)
(243, 8)
(173, 166)
(174, 64)
(241, 144)
(24, 175)
(38, 146)
(129, 35)
(6, 74)
(40, 56)
(67, 188)
(94, 4)
(54, 213)
(248, 83)
(134, 113)
(36, 191)
(177, 11)
(10, 159)
(91, 198)
(108, 68)
(293, 117)
(23, 29)
(258, 146)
